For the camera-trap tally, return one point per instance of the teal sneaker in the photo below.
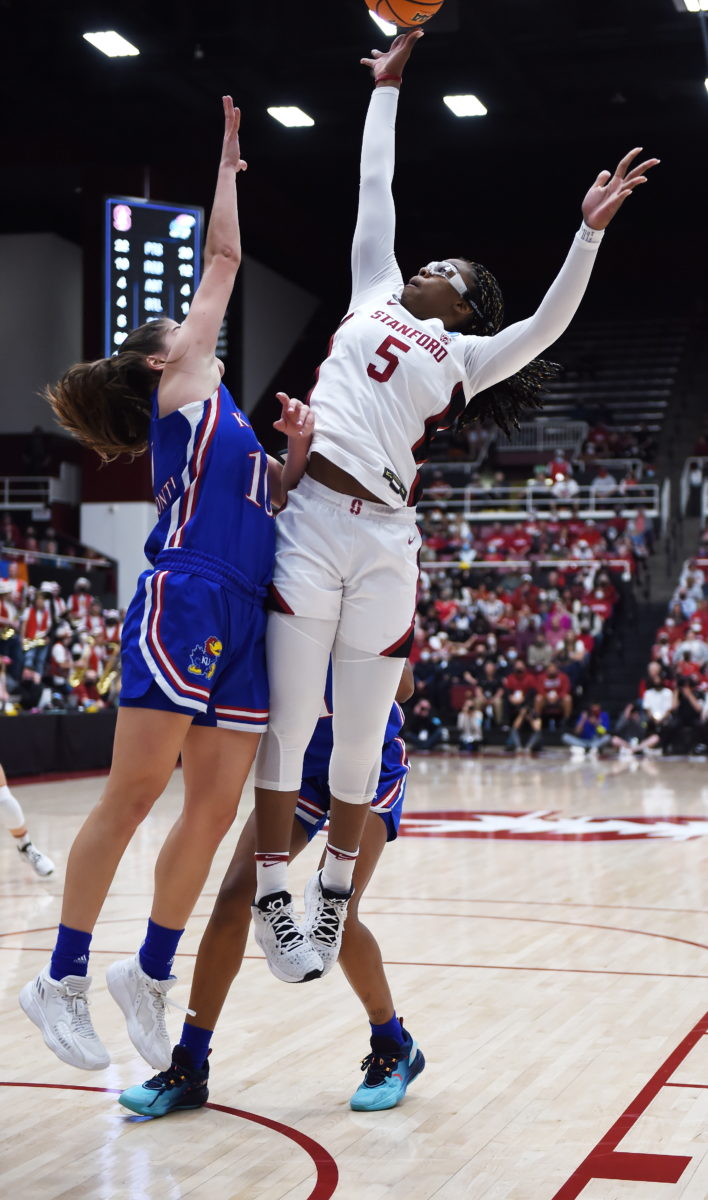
(390, 1067)
(182, 1086)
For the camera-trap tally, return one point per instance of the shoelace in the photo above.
(32, 854)
(80, 1017)
(328, 923)
(286, 931)
(378, 1067)
(164, 1081)
(160, 998)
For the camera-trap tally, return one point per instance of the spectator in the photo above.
(423, 728)
(470, 726)
(633, 733)
(657, 702)
(519, 689)
(539, 653)
(603, 484)
(490, 694)
(553, 694)
(591, 733)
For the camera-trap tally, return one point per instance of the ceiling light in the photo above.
(111, 43)
(385, 26)
(706, 83)
(291, 116)
(691, 5)
(465, 106)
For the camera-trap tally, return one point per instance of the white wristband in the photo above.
(586, 234)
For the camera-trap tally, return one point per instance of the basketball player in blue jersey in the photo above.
(194, 677)
(408, 359)
(395, 1059)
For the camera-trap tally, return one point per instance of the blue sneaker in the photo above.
(182, 1086)
(390, 1067)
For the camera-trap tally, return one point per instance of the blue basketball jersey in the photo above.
(319, 751)
(210, 480)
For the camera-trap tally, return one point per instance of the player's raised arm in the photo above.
(191, 367)
(490, 360)
(373, 260)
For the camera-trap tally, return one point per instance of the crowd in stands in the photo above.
(509, 654)
(671, 714)
(39, 543)
(56, 652)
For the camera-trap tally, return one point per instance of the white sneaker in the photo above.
(142, 1001)
(325, 913)
(59, 1008)
(38, 861)
(288, 953)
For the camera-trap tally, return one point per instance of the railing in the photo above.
(527, 566)
(40, 491)
(545, 435)
(61, 561)
(506, 503)
(685, 483)
(635, 465)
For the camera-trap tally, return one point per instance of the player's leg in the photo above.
(395, 1059)
(13, 819)
(365, 686)
(215, 765)
(219, 959)
(147, 744)
(298, 657)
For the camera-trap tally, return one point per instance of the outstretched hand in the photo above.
(609, 192)
(231, 150)
(296, 419)
(393, 60)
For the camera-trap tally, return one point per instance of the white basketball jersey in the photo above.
(388, 385)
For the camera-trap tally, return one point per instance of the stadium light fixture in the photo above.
(111, 44)
(291, 116)
(465, 106)
(385, 26)
(693, 6)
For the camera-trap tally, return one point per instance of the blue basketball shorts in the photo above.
(193, 645)
(313, 801)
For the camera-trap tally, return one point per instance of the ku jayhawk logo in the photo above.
(203, 659)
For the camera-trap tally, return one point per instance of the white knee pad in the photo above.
(11, 814)
(298, 656)
(365, 687)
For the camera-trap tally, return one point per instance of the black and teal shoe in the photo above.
(181, 1087)
(390, 1067)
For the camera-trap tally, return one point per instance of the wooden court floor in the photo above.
(545, 929)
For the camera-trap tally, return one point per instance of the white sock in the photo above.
(271, 872)
(338, 869)
(12, 814)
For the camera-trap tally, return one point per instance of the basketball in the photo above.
(407, 14)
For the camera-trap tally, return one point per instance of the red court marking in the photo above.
(391, 962)
(667, 937)
(688, 1085)
(325, 1166)
(606, 1162)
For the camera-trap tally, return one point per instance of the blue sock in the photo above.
(196, 1041)
(71, 953)
(157, 952)
(391, 1029)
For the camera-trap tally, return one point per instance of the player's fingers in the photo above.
(624, 163)
(603, 178)
(642, 167)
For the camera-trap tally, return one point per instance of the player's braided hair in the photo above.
(505, 402)
(107, 404)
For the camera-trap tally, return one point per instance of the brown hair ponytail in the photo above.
(106, 404)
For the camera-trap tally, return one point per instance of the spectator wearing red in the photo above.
(553, 694)
(80, 602)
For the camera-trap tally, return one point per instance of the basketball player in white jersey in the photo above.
(407, 360)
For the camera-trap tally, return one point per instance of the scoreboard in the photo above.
(152, 256)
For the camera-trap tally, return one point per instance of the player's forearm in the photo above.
(376, 217)
(498, 357)
(223, 237)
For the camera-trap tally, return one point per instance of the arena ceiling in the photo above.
(569, 85)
